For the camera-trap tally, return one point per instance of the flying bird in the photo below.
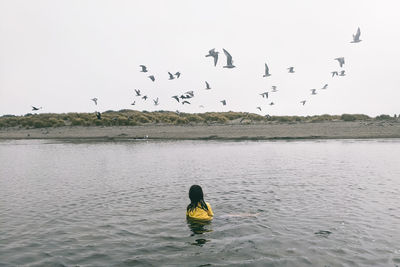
(223, 102)
(325, 86)
(266, 71)
(207, 86)
(334, 73)
(171, 77)
(134, 102)
(272, 103)
(175, 97)
(303, 102)
(185, 102)
(144, 97)
(259, 108)
(144, 68)
(264, 95)
(152, 78)
(155, 102)
(191, 93)
(356, 37)
(313, 91)
(94, 100)
(340, 60)
(274, 88)
(291, 69)
(214, 54)
(178, 74)
(342, 73)
(229, 61)
(98, 115)
(137, 91)
(35, 108)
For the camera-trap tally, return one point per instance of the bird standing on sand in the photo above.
(171, 77)
(207, 86)
(291, 69)
(356, 37)
(94, 100)
(151, 77)
(214, 54)
(144, 69)
(266, 71)
(229, 60)
(340, 60)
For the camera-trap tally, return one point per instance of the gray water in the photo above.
(320, 203)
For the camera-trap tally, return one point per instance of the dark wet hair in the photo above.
(196, 198)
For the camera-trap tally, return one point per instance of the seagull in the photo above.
(229, 61)
(98, 115)
(259, 108)
(144, 68)
(191, 93)
(356, 37)
(291, 69)
(342, 73)
(171, 77)
(272, 103)
(340, 60)
(313, 91)
(185, 102)
(176, 97)
(266, 71)
(35, 108)
(178, 74)
(265, 94)
(152, 78)
(213, 54)
(274, 88)
(207, 86)
(325, 86)
(144, 97)
(334, 73)
(303, 102)
(134, 102)
(155, 102)
(137, 91)
(223, 102)
(94, 100)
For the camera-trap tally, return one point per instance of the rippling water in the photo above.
(321, 203)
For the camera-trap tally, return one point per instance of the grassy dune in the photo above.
(133, 118)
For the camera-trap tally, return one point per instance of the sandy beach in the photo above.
(263, 131)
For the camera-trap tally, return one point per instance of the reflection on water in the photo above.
(319, 203)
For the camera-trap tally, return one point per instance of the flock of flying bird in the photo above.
(185, 97)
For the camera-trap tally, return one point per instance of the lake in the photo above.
(280, 203)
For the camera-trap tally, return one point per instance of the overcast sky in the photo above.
(59, 54)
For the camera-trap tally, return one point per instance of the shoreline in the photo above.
(260, 131)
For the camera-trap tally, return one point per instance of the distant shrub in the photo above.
(348, 117)
(383, 117)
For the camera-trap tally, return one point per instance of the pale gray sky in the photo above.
(60, 54)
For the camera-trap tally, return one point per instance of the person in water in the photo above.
(198, 209)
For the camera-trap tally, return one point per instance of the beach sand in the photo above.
(261, 131)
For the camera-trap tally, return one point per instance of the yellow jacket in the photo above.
(200, 214)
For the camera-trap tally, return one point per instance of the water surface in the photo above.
(297, 203)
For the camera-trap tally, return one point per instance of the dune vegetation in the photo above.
(128, 117)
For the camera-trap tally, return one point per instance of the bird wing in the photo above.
(228, 57)
(207, 85)
(215, 59)
(266, 69)
(357, 36)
